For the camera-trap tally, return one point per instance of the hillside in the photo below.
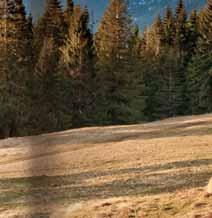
(152, 170)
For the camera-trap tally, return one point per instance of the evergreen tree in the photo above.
(164, 86)
(47, 94)
(29, 47)
(78, 50)
(68, 12)
(199, 69)
(199, 80)
(135, 43)
(155, 39)
(7, 9)
(14, 69)
(114, 33)
(169, 27)
(25, 59)
(54, 76)
(143, 44)
(23, 36)
(48, 38)
(160, 34)
(193, 33)
(112, 43)
(50, 25)
(136, 87)
(181, 28)
(206, 27)
(77, 63)
(53, 20)
(6, 15)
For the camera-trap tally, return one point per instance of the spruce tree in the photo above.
(199, 69)
(48, 38)
(159, 33)
(6, 15)
(23, 35)
(114, 71)
(155, 38)
(78, 48)
(77, 64)
(53, 20)
(14, 68)
(169, 27)
(7, 9)
(46, 93)
(114, 32)
(29, 42)
(135, 43)
(164, 86)
(193, 33)
(143, 44)
(181, 28)
(68, 12)
(50, 25)
(199, 79)
(206, 27)
(135, 89)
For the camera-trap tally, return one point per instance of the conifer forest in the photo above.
(59, 72)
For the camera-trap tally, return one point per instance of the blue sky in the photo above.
(144, 11)
(98, 9)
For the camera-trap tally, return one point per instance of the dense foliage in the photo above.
(57, 74)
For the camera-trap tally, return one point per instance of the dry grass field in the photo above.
(155, 170)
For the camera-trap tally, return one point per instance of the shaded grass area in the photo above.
(44, 189)
(107, 165)
(93, 136)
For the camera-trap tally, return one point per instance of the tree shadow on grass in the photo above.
(44, 190)
(115, 134)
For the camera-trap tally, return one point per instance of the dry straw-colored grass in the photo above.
(158, 169)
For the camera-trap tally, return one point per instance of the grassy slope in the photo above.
(148, 170)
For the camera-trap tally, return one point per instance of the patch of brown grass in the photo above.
(146, 170)
(178, 205)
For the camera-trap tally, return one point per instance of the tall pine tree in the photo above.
(14, 67)
(114, 70)
(68, 12)
(169, 27)
(50, 25)
(181, 28)
(206, 27)
(155, 39)
(193, 32)
(49, 37)
(77, 65)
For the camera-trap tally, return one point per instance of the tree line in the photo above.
(56, 73)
